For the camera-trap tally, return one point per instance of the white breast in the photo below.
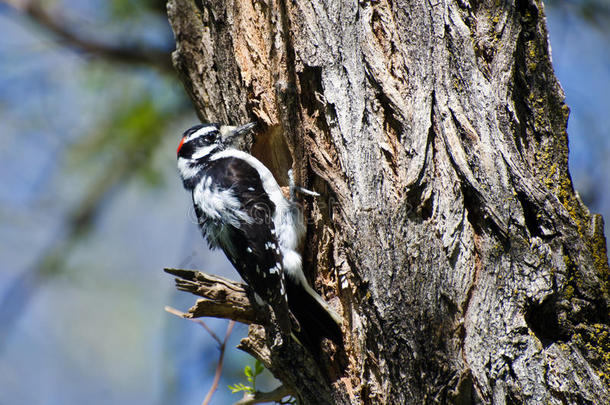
(219, 204)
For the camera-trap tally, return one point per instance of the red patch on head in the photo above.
(180, 145)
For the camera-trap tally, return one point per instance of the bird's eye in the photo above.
(207, 139)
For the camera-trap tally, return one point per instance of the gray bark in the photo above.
(448, 234)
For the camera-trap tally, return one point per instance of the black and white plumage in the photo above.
(242, 210)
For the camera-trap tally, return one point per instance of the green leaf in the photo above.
(248, 371)
(258, 367)
(238, 387)
(251, 375)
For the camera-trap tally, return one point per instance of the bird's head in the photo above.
(204, 139)
(200, 142)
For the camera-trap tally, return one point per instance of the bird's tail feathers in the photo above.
(317, 320)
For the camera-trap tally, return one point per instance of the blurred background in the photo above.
(91, 207)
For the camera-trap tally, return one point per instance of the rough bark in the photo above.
(448, 234)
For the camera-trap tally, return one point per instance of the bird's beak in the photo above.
(228, 133)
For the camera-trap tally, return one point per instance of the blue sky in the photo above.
(581, 59)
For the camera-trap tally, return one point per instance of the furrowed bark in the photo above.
(448, 234)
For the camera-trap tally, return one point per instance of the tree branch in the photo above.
(227, 299)
(222, 298)
(134, 55)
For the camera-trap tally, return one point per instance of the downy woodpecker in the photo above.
(242, 210)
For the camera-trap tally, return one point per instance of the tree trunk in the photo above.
(448, 234)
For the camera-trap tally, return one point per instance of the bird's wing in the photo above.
(246, 229)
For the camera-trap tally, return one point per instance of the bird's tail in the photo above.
(316, 319)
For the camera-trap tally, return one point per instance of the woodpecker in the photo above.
(241, 209)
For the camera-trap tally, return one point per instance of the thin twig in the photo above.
(181, 314)
(222, 346)
(214, 386)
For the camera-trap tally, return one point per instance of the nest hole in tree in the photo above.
(271, 149)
